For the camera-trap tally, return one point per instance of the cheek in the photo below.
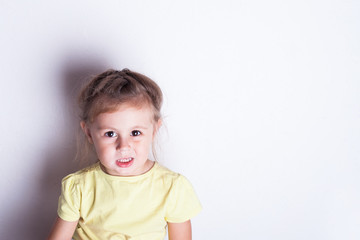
(102, 148)
(143, 145)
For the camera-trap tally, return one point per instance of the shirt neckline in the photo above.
(127, 178)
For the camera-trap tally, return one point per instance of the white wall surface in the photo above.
(262, 107)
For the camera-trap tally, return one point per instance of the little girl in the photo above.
(124, 195)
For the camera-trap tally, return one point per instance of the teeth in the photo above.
(125, 160)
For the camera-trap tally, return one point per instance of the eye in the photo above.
(111, 134)
(135, 133)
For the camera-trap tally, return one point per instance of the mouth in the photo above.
(125, 162)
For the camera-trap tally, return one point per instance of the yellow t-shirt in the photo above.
(138, 207)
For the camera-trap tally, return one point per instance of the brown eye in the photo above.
(135, 133)
(111, 134)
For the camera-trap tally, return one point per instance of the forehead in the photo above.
(126, 115)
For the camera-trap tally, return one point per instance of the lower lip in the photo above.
(125, 164)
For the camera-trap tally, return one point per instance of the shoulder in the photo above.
(74, 187)
(165, 174)
(171, 178)
(182, 202)
(82, 175)
(161, 170)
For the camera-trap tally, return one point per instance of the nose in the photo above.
(122, 144)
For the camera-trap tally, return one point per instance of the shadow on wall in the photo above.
(37, 219)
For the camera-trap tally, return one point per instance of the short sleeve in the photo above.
(183, 204)
(69, 200)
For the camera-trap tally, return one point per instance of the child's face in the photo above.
(122, 139)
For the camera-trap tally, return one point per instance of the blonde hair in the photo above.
(106, 91)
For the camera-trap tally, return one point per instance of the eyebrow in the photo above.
(139, 126)
(134, 127)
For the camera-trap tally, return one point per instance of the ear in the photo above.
(157, 126)
(86, 131)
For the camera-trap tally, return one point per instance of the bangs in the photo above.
(105, 104)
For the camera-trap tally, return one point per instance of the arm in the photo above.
(179, 231)
(62, 230)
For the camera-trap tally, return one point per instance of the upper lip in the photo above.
(122, 158)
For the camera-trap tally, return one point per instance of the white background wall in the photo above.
(262, 107)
